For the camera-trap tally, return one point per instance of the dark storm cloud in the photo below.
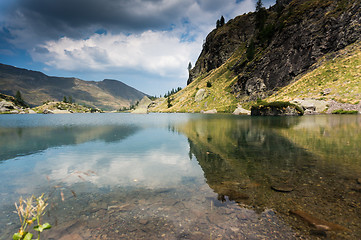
(34, 21)
(75, 18)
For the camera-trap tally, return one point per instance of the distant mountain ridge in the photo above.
(36, 88)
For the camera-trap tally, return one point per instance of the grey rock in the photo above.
(293, 50)
(213, 111)
(255, 88)
(282, 188)
(241, 111)
(7, 105)
(275, 111)
(31, 111)
(143, 105)
(47, 111)
(58, 111)
(312, 106)
(200, 95)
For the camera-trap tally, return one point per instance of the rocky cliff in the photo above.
(272, 47)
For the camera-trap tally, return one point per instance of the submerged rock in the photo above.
(359, 180)
(282, 188)
(319, 224)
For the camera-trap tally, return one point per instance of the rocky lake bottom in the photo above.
(185, 176)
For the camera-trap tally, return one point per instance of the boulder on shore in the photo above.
(213, 111)
(47, 111)
(311, 106)
(241, 111)
(276, 109)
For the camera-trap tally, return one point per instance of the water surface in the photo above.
(183, 176)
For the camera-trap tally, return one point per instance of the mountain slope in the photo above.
(337, 77)
(37, 88)
(255, 55)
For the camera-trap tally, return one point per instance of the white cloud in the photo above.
(156, 52)
(162, 53)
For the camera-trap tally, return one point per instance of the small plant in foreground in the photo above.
(30, 212)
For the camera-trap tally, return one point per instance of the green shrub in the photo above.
(251, 48)
(278, 105)
(341, 111)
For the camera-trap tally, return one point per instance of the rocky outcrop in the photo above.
(334, 106)
(143, 105)
(6, 106)
(47, 111)
(312, 106)
(221, 43)
(241, 111)
(200, 95)
(276, 109)
(12, 108)
(294, 37)
(212, 111)
(62, 107)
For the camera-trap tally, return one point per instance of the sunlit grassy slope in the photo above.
(218, 95)
(335, 77)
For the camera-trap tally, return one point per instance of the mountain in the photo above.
(37, 88)
(257, 55)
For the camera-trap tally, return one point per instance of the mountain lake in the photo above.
(184, 176)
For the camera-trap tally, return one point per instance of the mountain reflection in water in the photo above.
(24, 140)
(308, 164)
(185, 176)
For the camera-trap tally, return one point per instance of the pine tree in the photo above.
(259, 5)
(250, 50)
(222, 21)
(19, 100)
(189, 66)
(169, 102)
(261, 15)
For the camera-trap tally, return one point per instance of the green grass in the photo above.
(336, 78)
(217, 84)
(341, 111)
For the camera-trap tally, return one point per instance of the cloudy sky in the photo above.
(146, 44)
